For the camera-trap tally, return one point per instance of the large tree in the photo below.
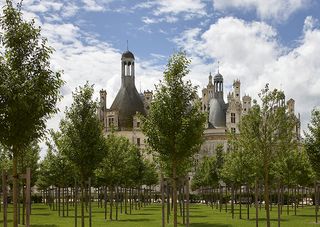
(175, 124)
(83, 141)
(29, 89)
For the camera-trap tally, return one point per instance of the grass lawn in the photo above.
(201, 216)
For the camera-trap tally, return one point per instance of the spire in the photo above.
(127, 45)
(218, 66)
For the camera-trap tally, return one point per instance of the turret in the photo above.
(246, 104)
(236, 90)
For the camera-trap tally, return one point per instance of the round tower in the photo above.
(218, 86)
(128, 101)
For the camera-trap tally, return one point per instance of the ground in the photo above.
(201, 216)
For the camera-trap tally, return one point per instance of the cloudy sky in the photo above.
(256, 41)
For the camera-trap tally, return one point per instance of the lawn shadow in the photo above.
(49, 225)
(135, 220)
(209, 225)
(40, 214)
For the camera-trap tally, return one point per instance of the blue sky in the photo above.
(256, 41)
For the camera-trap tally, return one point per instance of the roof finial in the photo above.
(127, 45)
(218, 66)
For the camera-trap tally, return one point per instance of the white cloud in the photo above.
(251, 52)
(176, 7)
(168, 10)
(310, 23)
(265, 9)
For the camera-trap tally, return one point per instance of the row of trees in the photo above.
(267, 152)
(80, 151)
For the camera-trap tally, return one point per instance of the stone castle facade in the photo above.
(223, 117)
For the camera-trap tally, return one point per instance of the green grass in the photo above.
(201, 216)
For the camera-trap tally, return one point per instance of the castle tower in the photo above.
(218, 86)
(147, 98)
(246, 104)
(128, 101)
(236, 89)
(103, 105)
(290, 106)
(127, 68)
(217, 112)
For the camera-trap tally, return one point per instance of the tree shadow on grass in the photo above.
(8, 221)
(144, 214)
(209, 225)
(135, 220)
(50, 225)
(41, 214)
(264, 219)
(39, 208)
(198, 216)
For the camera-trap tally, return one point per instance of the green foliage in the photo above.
(113, 165)
(30, 159)
(312, 141)
(175, 124)
(150, 176)
(207, 173)
(29, 89)
(82, 140)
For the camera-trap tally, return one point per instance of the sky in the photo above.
(256, 41)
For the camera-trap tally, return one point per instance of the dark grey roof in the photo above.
(217, 115)
(127, 54)
(218, 76)
(127, 102)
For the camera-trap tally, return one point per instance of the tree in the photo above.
(266, 132)
(175, 124)
(112, 167)
(29, 89)
(312, 141)
(82, 137)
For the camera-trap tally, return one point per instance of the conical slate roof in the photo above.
(127, 103)
(217, 115)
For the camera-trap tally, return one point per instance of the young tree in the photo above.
(312, 141)
(116, 167)
(266, 132)
(175, 124)
(29, 89)
(82, 137)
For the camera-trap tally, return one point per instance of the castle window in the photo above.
(233, 118)
(245, 109)
(138, 142)
(138, 124)
(111, 121)
(233, 130)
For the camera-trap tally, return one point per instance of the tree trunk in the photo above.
(162, 202)
(266, 197)
(105, 202)
(232, 201)
(188, 202)
(117, 202)
(240, 203)
(82, 205)
(248, 202)
(279, 207)
(174, 196)
(15, 189)
(316, 200)
(111, 202)
(256, 194)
